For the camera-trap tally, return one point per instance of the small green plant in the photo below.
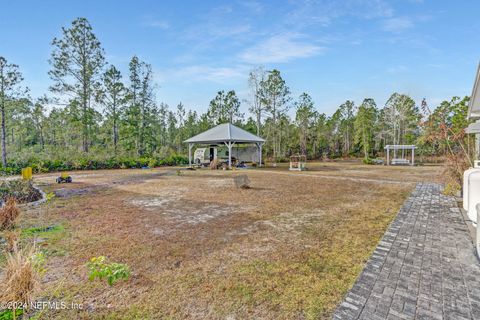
(38, 262)
(29, 232)
(98, 267)
(179, 173)
(50, 196)
(9, 314)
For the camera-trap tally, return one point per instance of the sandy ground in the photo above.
(288, 247)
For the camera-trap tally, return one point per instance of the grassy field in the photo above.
(288, 247)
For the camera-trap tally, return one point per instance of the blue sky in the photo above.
(334, 50)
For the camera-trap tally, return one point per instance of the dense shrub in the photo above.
(368, 161)
(83, 163)
(20, 190)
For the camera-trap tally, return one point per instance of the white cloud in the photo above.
(397, 24)
(253, 6)
(397, 69)
(229, 31)
(161, 24)
(195, 73)
(153, 22)
(280, 48)
(324, 12)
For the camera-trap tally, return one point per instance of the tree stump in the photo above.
(242, 181)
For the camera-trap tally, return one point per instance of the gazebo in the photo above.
(228, 134)
(403, 148)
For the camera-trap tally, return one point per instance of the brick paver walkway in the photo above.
(423, 268)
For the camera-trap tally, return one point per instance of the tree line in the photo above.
(95, 111)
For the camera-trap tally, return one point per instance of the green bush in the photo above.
(368, 161)
(90, 163)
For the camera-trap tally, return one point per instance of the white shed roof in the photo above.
(474, 104)
(400, 146)
(225, 132)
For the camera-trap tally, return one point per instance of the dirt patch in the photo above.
(185, 212)
(68, 193)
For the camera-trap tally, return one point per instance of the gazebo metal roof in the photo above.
(225, 132)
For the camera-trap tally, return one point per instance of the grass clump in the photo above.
(11, 237)
(9, 214)
(21, 276)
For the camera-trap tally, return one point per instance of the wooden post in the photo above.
(413, 156)
(388, 156)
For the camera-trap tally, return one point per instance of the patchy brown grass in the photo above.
(11, 238)
(288, 247)
(9, 214)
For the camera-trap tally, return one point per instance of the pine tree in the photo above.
(77, 60)
(255, 78)
(225, 107)
(10, 79)
(364, 125)
(113, 97)
(275, 95)
(304, 119)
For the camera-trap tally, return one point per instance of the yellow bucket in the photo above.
(27, 173)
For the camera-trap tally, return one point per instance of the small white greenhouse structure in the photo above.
(229, 135)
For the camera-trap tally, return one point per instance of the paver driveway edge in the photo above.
(424, 267)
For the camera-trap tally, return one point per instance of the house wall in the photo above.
(477, 146)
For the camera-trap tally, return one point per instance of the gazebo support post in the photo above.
(388, 156)
(413, 156)
(190, 145)
(229, 146)
(259, 146)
